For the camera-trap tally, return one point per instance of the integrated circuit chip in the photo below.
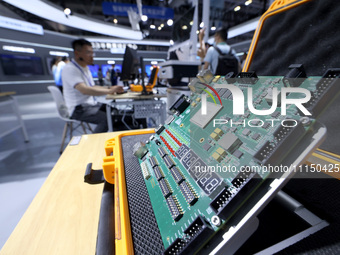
(188, 193)
(256, 136)
(202, 120)
(230, 142)
(275, 114)
(168, 161)
(153, 161)
(206, 146)
(162, 152)
(174, 208)
(158, 173)
(238, 154)
(165, 188)
(246, 132)
(266, 125)
(176, 173)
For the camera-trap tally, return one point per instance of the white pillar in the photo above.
(206, 17)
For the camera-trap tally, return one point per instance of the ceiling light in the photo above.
(202, 24)
(67, 11)
(144, 18)
(58, 53)
(18, 49)
(248, 2)
(111, 62)
(197, 32)
(159, 28)
(162, 25)
(115, 21)
(170, 22)
(154, 62)
(53, 13)
(152, 26)
(184, 27)
(213, 27)
(171, 42)
(191, 23)
(237, 8)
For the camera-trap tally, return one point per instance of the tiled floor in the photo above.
(25, 166)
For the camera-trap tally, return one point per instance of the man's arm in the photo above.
(206, 65)
(202, 50)
(208, 58)
(98, 90)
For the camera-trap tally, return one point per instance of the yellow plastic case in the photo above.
(113, 167)
(114, 173)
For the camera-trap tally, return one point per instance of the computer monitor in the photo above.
(107, 67)
(21, 65)
(148, 70)
(94, 70)
(130, 65)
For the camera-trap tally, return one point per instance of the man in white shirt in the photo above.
(211, 58)
(80, 89)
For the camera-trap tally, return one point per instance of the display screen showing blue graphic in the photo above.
(107, 67)
(21, 65)
(94, 70)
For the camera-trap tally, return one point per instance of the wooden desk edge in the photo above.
(134, 95)
(63, 217)
(9, 93)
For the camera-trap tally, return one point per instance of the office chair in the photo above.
(63, 114)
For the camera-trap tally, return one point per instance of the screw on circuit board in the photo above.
(215, 220)
(305, 121)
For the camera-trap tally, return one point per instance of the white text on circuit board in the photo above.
(255, 122)
(238, 100)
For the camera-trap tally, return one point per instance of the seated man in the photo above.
(80, 89)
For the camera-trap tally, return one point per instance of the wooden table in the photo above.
(134, 95)
(63, 217)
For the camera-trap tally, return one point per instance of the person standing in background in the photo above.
(100, 76)
(56, 74)
(113, 75)
(108, 77)
(212, 56)
(57, 66)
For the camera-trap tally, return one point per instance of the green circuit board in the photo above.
(200, 167)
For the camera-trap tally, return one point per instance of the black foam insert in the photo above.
(308, 34)
(145, 233)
